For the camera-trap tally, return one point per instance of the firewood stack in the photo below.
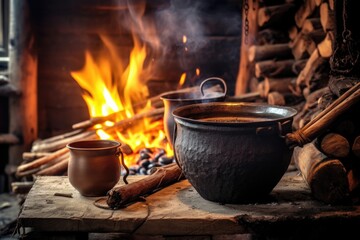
(289, 64)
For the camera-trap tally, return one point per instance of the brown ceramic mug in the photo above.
(94, 166)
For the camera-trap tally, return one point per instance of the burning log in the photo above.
(31, 156)
(49, 146)
(326, 177)
(276, 98)
(334, 145)
(274, 68)
(265, 52)
(121, 196)
(54, 145)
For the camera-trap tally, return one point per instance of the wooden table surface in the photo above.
(179, 210)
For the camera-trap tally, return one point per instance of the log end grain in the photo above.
(329, 182)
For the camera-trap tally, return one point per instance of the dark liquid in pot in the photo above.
(234, 119)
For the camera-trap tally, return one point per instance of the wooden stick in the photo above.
(326, 177)
(119, 197)
(30, 156)
(323, 120)
(41, 161)
(55, 170)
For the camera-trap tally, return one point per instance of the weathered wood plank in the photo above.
(176, 210)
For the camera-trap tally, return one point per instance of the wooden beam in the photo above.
(247, 40)
(23, 76)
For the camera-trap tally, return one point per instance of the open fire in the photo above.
(116, 91)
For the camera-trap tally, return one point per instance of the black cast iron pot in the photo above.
(232, 152)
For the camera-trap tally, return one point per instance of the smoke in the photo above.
(182, 18)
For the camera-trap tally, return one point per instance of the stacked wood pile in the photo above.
(288, 63)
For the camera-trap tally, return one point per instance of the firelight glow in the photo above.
(110, 87)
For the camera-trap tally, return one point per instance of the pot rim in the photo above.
(83, 143)
(181, 114)
(178, 96)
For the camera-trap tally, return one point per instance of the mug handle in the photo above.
(120, 154)
(222, 81)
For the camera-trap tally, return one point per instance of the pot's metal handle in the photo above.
(120, 154)
(222, 81)
(174, 139)
(280, 128)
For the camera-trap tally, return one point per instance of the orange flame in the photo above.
(109, 87)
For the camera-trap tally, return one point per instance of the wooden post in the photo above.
(247, 39)
(23, 76)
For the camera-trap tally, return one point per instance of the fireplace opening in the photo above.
(54, 44)
(89, 70)
(307, 63)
